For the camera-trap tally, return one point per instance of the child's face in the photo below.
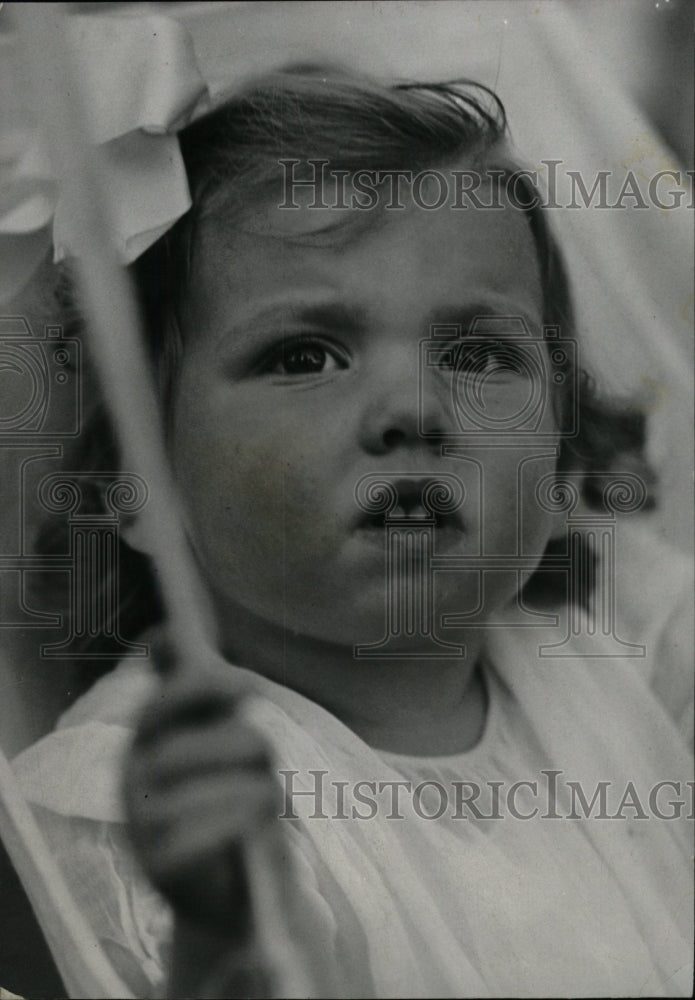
(268, 445)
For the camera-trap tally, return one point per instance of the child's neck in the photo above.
(412, 706)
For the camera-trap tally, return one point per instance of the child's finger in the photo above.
(226, 748)
(188, 701)
(217, 826)
(240, 801)
(213, 888)
(188, 832)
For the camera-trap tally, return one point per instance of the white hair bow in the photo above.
(142, 83)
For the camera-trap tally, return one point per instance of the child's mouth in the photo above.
(413, 504)
(446, 531)
(416, 517)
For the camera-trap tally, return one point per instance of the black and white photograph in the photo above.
(346, 499)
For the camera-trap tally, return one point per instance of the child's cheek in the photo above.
(261, 509)
(277, 499)
(512, 521)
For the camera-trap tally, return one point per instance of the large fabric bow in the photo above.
(141, 83)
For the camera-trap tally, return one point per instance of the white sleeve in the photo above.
(131, 922)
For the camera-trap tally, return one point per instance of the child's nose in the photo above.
(398, 413)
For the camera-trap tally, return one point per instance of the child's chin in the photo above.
(367, 622)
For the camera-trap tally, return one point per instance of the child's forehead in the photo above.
(315, 220)
(334, 206)
(267, 246)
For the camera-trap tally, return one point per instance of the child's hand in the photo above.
(198, 782)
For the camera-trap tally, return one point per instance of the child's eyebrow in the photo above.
(461, 316)
(341, 317)
(335, 316)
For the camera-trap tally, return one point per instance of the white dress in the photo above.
(562, 903)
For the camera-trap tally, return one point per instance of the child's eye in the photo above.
(486, 357)
(304, 356)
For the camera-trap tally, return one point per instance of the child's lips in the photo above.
(448, 530)
(402, 502)
(400, 515)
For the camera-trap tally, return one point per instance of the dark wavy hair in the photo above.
(231, 157)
